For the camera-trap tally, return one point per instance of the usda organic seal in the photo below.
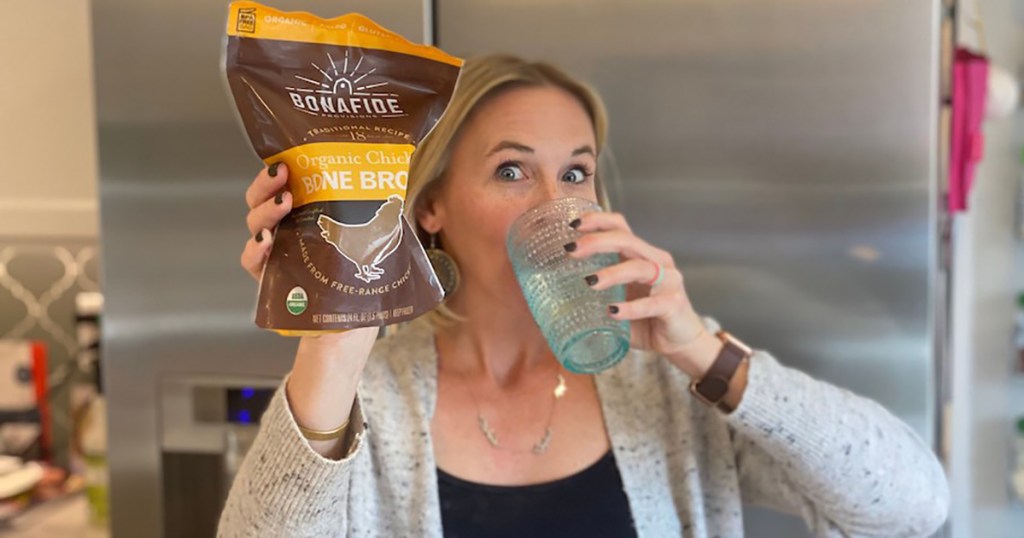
(297, 301)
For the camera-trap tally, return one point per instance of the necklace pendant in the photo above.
(487, 431)
(561, 388)
(542, 445)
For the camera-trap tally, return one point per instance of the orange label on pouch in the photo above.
(332, 171)
(251, 19)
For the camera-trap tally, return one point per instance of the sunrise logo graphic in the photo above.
(342, 93)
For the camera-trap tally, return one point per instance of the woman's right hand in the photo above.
(327, 368)
(269, 201)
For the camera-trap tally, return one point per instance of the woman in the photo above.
(466, 425)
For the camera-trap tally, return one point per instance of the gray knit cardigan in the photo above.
(841, 462)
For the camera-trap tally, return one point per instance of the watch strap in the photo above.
(714, 385)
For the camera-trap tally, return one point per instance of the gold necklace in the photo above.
(540, 446)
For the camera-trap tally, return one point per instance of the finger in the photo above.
(600, 221)
(635, 271)
(254, 255)
(617, 242)
(652, 306)
(265, 186)
(269, 213)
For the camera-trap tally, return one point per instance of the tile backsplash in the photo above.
(39, 280)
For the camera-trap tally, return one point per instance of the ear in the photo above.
(429, 212)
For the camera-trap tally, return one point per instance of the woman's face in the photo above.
(516, 150)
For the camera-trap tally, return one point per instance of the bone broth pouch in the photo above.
(343, 103)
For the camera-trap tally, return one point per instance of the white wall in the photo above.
(47, 121)
(985, 283)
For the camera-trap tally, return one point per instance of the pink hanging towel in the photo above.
(967, 143)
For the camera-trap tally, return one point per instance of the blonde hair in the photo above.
(481, 78)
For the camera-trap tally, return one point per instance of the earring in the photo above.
(444, 266)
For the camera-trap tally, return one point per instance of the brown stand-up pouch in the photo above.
(343, 103)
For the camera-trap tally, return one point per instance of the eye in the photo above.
(510, 171)
(576, 174)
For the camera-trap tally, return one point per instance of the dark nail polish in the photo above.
(575, 223)
(570, 247)
(259, 236)
(279, 199)
(273, 169)
(591, 279)
(613, 309)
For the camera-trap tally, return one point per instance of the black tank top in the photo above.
(587, 504)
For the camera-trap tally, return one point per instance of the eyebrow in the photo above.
(509, 144)
(583, 150)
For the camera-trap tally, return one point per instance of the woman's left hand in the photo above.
(661, 316)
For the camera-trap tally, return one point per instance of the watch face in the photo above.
(713, 388)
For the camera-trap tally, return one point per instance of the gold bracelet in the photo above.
(329, 435)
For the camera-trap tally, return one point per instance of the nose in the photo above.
(549, 189)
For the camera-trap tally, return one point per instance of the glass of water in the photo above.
(572, 316)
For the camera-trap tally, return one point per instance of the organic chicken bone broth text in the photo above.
(342, 102)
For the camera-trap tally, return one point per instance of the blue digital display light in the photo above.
(245, 405)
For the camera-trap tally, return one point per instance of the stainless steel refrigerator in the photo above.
(784, 151)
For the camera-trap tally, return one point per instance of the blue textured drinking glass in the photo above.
(572, 316)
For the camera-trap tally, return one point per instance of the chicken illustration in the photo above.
(368, 244)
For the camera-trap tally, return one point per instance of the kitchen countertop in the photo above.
(68, 516)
